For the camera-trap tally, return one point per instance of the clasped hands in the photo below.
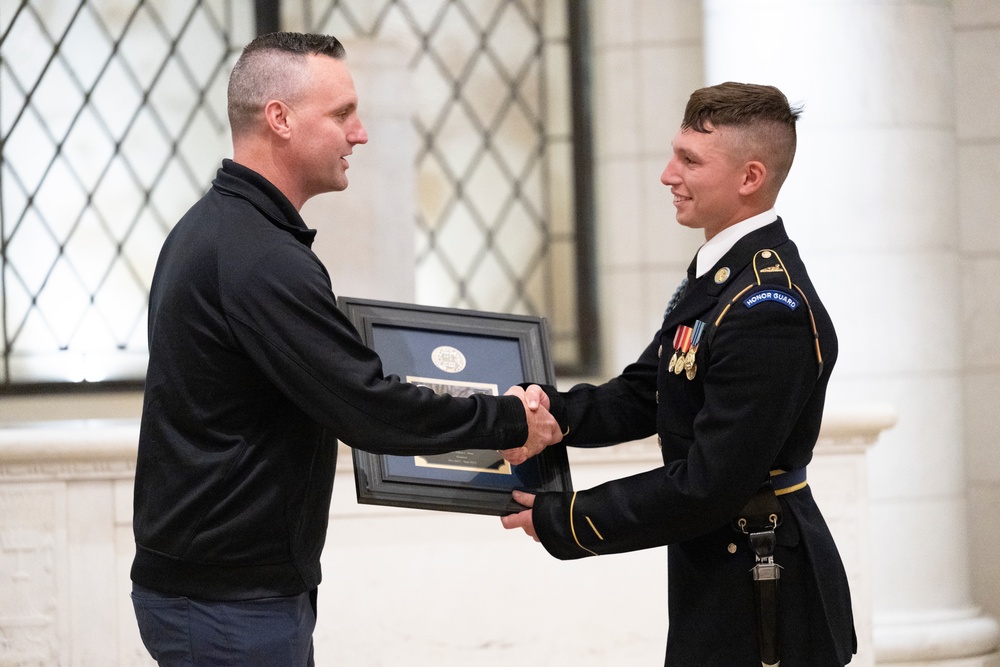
(543, 429)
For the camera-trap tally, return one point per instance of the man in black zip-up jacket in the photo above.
(254, 374)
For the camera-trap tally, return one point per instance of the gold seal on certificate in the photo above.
(448, 359)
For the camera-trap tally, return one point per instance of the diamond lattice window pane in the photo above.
(437, 192)
(175, 189)
(486, 92)
(199, 46)
(514, 40)
(459, 141)
(87, 150)
(14, 202)
(142, 246)
(63, 301)
(32, 333)
(425, 14)
(121, 302)
(144, 48)
(57, 98)
(461, 240)
(31, 252)
(28, 151)
(90, 251)
(490, 283)
(517, 142)
(125, 117)
(115, 98)
(520, 239)
(453, 40)
(146, 148)
(87, 47)
(119, 196)
(176, 15)
(481, 187)
(60, 200)
(12, 98)
(174, 98)
(26, 34)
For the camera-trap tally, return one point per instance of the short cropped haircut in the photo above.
(272, 67)
(764, 119)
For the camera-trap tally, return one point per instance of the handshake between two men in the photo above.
(543, 430)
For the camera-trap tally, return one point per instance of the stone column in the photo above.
(871, 201)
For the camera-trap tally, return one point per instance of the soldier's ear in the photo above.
(754, 175)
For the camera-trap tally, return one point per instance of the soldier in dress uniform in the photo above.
(733, 384)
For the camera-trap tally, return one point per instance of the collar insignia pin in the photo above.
(722, 275)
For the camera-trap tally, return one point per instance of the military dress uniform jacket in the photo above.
(753, 405)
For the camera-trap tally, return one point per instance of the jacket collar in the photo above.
(235, 180)
(702, 294)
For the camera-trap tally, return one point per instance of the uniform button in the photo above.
(659, 353)
(731, 548)
(657, 396)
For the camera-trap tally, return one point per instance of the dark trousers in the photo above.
(185, 632)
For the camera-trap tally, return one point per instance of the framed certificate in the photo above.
(457, 352)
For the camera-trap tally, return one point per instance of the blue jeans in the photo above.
(186, 632)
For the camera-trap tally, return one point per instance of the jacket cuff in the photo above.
(511, 412)
(553, 523)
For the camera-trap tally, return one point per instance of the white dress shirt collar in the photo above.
(713, 250)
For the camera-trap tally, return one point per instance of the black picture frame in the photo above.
(494, 352)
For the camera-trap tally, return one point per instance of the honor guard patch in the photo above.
(764, 295)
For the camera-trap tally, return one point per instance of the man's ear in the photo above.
(276, 115)
(754, 175)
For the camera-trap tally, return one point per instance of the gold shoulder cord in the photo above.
(791, 285)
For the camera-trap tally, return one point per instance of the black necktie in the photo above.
(682, 288)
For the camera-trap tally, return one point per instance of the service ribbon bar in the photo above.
(677, 360)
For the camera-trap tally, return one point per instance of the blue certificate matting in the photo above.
(458, 364)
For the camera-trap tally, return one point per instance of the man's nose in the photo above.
(359, 135)
(667, 177)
